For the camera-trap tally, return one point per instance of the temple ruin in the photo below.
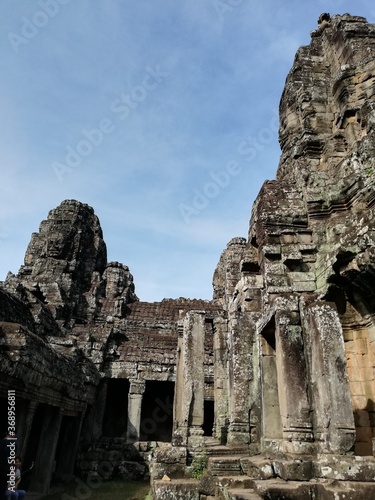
(271, 384)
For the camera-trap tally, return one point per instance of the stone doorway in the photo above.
(209, 417)
(67, 446)
(33, 443)
(157, 411)
(116, 408)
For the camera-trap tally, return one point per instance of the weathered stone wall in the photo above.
(70, 324)
(311, 238)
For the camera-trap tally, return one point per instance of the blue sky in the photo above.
(160, 114)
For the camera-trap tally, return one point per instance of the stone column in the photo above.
(25, 419)
(45, 456)
(292, 384)
(221, 379)
(333, 419)
(241, 373)
(136, 391)
(189, 392)
(271, 425)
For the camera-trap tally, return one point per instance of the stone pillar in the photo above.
(25, 416)
(241, 335)
(189, 392)
(136, 391)
(69, 447)
(333, 419)
(45, 456)
(271, 425)
(292, 384)
(221, 379)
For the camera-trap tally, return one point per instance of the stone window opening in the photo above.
(296, 265)
(250, 267)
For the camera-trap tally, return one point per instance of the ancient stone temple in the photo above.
(268, 390)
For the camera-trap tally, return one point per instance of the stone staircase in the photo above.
(233, 473)
(238, 476)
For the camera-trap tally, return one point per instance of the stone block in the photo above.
(260, 468)
(361, 346)
(174, 471)
(183, 489)
(356, 386)
(348, 335)
(277, 280)
(208, 485)
(346, 468)
(303, 286)
(294, 470)
(171, 455)
(132, 470)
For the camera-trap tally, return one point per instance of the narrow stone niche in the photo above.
(271, 418)
(209, 417)
(116, 409)
(157, 411)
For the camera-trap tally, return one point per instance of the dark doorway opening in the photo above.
(66, 446)
(32, 445)
(115, 419)
(157, 411)
(209, 417)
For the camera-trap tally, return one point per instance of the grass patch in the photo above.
(121, 490)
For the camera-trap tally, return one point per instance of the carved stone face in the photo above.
(116, 281)
(55, 246)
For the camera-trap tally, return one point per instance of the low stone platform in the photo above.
(176, 489)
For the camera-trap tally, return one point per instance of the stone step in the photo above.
(226, 465)
(278, 488)
(242, 494)
(215, 448)
(182, 488)
(235, 482)
(300, 490)
(260, 468)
